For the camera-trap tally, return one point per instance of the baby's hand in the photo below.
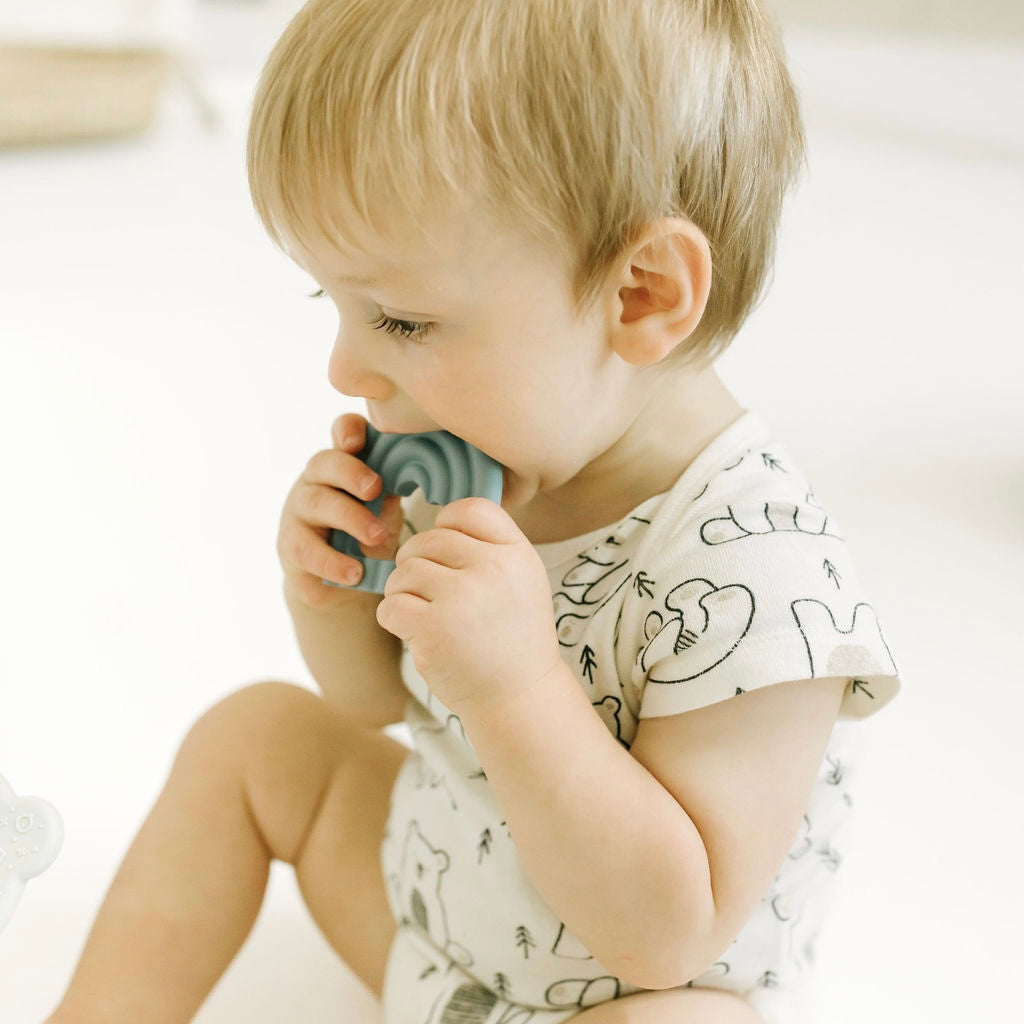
(329, 496)
(472, 601)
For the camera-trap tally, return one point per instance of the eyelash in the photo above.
(413, 330)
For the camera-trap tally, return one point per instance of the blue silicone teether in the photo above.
(443, 465)
(31, 833)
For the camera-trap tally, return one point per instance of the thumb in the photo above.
(482, 519)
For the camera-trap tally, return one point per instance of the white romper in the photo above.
(734, 579)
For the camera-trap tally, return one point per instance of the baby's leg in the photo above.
(269, 772)
(672, 1006)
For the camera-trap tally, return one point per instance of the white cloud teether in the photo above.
(31, 833)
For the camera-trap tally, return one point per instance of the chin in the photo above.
(515, 490)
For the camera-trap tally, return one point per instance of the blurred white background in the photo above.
(162, 382)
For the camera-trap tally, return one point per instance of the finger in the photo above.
(343, 471)
(392, 514)
(447, 547)
(315, 593)
(399, 613)
(481, 519)
(329, 509)
(348, 432)
(305, 550)
(420, 577)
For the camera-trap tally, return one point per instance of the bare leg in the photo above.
(673, 1006)
(270, 772)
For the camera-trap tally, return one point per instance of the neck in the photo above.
(678, 418)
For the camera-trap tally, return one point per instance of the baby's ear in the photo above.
(661, 292)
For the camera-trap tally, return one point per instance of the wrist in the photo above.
(512, 707)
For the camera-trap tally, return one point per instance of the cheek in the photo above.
(522, 400)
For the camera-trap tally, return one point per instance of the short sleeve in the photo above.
(751, 586)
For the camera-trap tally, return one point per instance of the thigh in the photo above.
(318, 786)
(673, 1006)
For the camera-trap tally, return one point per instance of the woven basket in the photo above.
(57, 94)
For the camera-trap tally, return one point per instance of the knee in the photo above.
(245, 722)
(672, 1006)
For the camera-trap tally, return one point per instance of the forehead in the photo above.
(455, 253)
(384, 263)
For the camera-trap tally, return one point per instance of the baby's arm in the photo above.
(352, 659)
(655, 857)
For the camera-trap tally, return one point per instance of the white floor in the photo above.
(162, 382)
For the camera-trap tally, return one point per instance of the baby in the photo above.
(629, 686)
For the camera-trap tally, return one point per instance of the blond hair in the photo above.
(582, 120)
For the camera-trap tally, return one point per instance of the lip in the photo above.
(390, 426)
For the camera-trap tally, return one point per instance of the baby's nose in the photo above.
(351, 374)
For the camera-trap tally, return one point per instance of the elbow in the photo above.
(657, 973)
(668, 957)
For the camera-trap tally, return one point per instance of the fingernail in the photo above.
(367, 481)
(378, 531)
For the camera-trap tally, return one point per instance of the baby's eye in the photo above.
(414, 330)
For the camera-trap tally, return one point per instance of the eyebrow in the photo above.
(388, 284)
(362, 282)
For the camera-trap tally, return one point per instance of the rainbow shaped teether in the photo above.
(31, 833)
(443, 465)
